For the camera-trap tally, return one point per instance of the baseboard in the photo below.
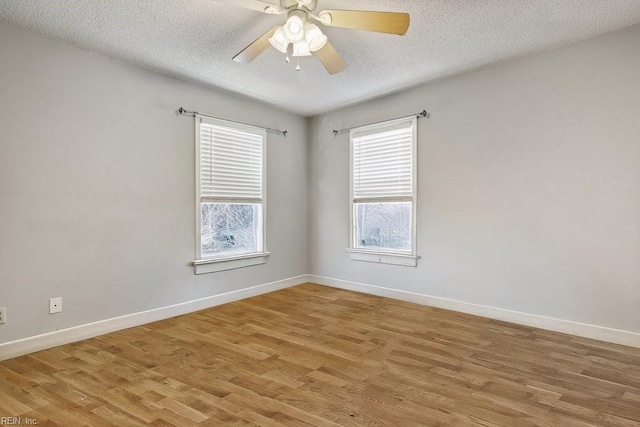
(64, 336)
(53, 339)
(601, 333)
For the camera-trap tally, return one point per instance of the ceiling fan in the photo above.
(299, 36)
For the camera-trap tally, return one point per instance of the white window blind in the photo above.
(230, 164)
(230, 195)
(383, 192)
(383, 163)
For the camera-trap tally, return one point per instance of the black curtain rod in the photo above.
(182, 111)
(419, 115)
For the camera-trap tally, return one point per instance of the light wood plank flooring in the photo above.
(313, 355)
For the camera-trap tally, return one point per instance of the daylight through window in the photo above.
(383, 179)
(231, 189)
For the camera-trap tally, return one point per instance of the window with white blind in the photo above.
(230, 171)
(383, 192)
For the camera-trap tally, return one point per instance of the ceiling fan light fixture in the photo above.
(301, 49)
(279, 40)
(314, 37)
(294, 29)
(298, 36)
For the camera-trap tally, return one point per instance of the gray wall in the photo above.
(97, 196)
(529, 186)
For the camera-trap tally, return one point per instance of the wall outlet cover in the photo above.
(55, 305)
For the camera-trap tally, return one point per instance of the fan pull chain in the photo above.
(289, 54)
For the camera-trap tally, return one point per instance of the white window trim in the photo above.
(386, 257)
(393, 258)
(213, 265)
(203, 265)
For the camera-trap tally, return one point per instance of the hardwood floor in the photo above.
(313, 355)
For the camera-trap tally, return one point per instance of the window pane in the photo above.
(230, 229)
(383, 226)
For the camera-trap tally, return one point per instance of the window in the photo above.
(383, 192)
(230, 172)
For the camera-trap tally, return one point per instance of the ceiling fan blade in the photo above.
(331, 59)
(261, 44)
(258, 5)
(381, 22)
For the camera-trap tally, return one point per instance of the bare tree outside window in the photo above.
(383, 226)
(229, 229)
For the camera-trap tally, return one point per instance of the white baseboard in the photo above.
(64, 336)
(53, 339)
(601, 333)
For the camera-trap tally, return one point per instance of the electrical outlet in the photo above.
(55, 305)
(3, 315)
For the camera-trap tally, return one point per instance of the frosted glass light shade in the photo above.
(279, 40)
(301, 49)
(294, 29)
(314, 37)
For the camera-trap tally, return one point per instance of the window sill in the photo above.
(406, 260)
(213, 265)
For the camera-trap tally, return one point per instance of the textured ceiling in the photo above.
(196, 39)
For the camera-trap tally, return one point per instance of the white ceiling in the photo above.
(196, 39)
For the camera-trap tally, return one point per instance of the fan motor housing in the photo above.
(294, 4)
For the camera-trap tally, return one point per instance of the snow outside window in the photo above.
(383, 192)
(230, 186)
